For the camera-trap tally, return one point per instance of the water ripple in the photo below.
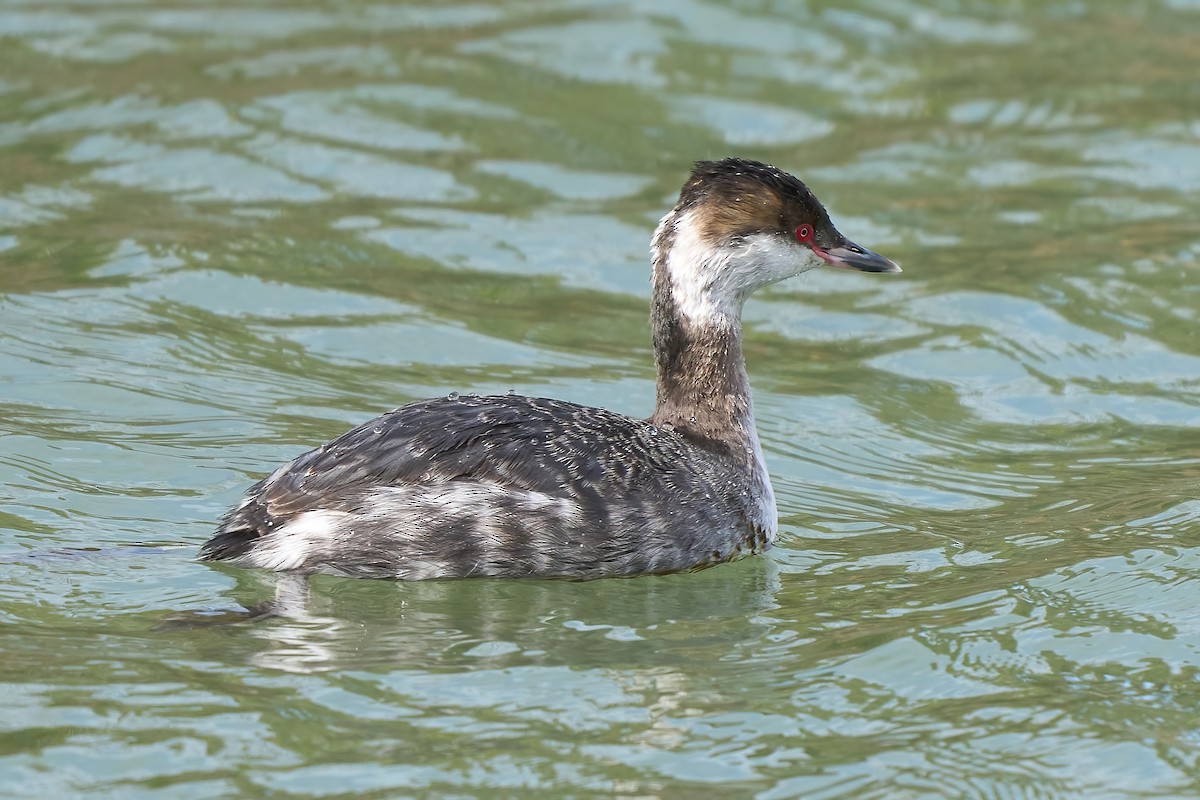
(230, 232)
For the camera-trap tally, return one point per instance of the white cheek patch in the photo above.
(769, 258)
(710, 284)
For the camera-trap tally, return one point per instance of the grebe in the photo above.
(511, 486)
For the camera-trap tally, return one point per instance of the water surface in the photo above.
(228, 232)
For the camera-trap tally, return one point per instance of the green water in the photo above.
(230, 231)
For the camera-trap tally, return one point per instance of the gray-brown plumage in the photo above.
(520, 487)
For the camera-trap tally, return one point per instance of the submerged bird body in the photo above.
(513, 486)
(508, 485)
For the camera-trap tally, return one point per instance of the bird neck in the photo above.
(702, 387)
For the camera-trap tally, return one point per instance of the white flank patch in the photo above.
(416, 512)
(768, 513)
(290, 546)
(413, 505)
(709, 284)
(460, 499)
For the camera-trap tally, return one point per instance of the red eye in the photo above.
(804, 234)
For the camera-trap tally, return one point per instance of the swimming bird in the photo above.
(512, 486)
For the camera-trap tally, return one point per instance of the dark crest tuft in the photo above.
(740, 197)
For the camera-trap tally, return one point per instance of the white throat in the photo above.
(710, 283)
